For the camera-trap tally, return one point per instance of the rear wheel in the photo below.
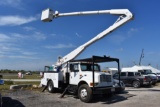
(50, 87)
(136, 84)
(85, 93)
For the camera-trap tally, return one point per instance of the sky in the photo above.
(27, 43)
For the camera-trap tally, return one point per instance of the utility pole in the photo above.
(142, 56)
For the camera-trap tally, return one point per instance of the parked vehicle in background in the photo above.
(148, 72)
(144, 70)
(112, 70)
(28, 73)
(1, 81)
(158, 76)
(133, 78)
(118, 87)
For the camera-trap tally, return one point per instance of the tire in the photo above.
(85, 93)
(136, 84)
(50, 87)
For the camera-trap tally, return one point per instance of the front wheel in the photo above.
(85, 93)
(136, 84)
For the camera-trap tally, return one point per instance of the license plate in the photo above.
(112, 89)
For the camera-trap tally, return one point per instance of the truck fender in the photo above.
(82, 82)
(48, 80)
(136, 79)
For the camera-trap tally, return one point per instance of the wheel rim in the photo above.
(83, 93)
(49, 87)
(136, 84)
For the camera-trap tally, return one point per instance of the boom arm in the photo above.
(125, 16)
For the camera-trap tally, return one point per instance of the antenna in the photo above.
(142, 56)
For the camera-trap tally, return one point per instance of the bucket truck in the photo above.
(82, 77)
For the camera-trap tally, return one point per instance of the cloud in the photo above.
(10, 2)
(117, 39)
(15, 20)
(28, 53)
(53, 35)
(78, 35)
(120, 50)
(10, 49)
(60, 46)
(18, 36)
(4, 37)
(18, 57)
(28, 28)
(39, 36)
(14, 52)
(35, 36)
(121, 37)
(150, 53)
(131, 31)
(7, 48)
(22, 57)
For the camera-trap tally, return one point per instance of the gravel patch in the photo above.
(145, 97)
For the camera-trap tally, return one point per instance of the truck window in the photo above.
(147, 71)
(89, 67)
(83, 67)
(123, 74)
(75, 68)
(141, 71)
(130, 73)
(137, 74)
(96, 67)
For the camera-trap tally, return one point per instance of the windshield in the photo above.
(147, 71)
(158, 73)
(153, 73)
(89, 67)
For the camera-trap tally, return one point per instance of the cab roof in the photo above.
(97, 59)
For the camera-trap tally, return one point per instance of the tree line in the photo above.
(16, 71)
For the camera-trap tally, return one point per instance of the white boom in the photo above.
(125, 16)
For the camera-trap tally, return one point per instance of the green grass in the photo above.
(4, 87)
(33, 76)
(7, 84)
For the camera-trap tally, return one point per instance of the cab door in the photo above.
(74, 74)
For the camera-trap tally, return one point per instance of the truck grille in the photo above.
(105, 78)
